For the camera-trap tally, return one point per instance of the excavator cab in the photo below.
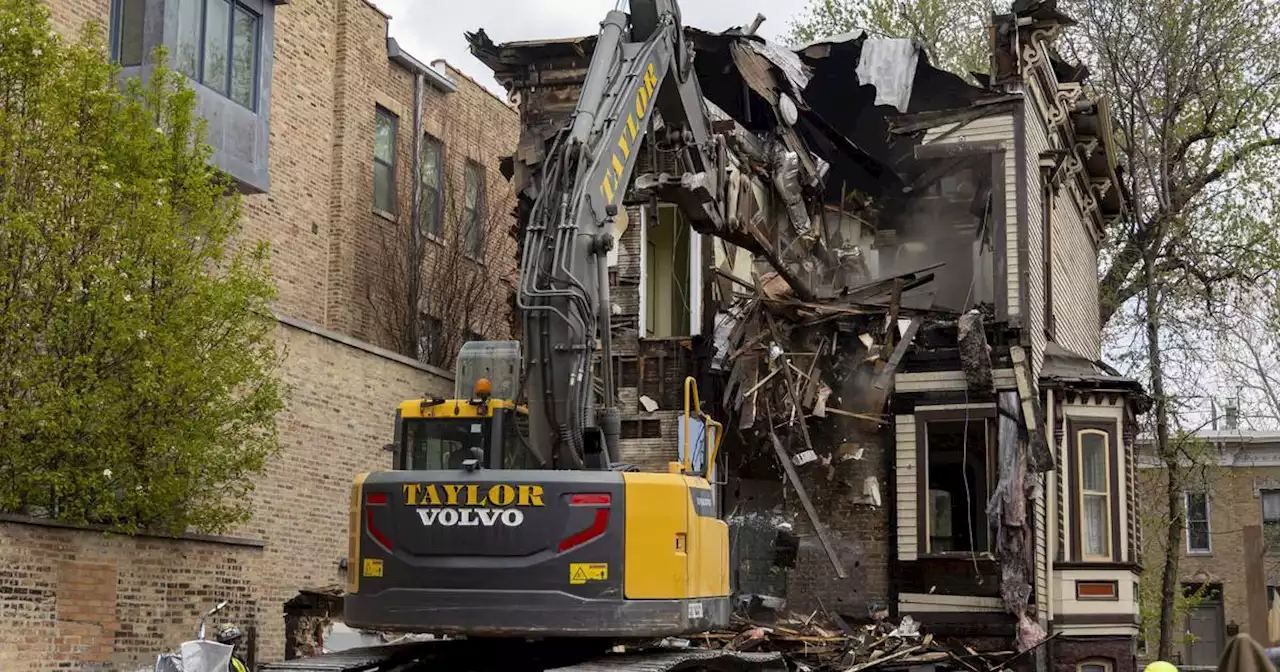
(480, 427)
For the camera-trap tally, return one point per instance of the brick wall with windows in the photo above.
(331, 71)
(1240, 486)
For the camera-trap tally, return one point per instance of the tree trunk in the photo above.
(1173, 536)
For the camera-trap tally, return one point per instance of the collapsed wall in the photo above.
(851, 246)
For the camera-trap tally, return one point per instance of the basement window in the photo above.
(960, 475)
(1094, 666)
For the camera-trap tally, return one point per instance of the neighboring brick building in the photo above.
(1229, 548)
(297, 130)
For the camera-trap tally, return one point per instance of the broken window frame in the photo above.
(654, 303)
(1108, 428)
(985, 413)
(1201, 517)
(999, 234)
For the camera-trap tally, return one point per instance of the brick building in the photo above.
(1229, 548)
(1013, 184)
(343, 145)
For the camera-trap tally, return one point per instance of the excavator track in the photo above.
(481, 656)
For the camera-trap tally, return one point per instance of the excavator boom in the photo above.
(640, 64)
(468, 536)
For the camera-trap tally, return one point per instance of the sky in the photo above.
(432, 29)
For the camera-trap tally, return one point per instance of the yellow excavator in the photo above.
(510, 513)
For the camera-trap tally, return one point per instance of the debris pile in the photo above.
(814, 644)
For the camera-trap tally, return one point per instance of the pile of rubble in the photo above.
(818, 643)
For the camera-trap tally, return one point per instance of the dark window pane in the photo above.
(432, 222)
(244, 45)
(384, 138)
(130, 31)
(431, 161)
(186, 54)
(383, 187)
(432, 164)
(1271, 505)
(1198, 536)
(216, 31)
(473, 211)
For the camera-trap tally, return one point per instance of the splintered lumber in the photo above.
(785, 460)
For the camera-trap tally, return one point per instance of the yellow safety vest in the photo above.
(238, 666)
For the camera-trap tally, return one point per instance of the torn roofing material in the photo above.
(1064, 367)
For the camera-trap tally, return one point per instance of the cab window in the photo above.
(445, 444)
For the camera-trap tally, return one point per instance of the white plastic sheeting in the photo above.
(890, 66)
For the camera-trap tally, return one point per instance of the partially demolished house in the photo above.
(918, 421)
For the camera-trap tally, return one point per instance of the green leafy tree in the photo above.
(137, 353)
(952, 32)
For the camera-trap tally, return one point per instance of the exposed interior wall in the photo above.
(997, 129)
(669, 293)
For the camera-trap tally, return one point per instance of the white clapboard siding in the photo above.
(906, 471)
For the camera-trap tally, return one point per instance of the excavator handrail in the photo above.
(691, 391)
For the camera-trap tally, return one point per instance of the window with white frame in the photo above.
(1197, 512)
(1095, 493)
(1271, 519)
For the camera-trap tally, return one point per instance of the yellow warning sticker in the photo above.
(372, 567)
(582, 572)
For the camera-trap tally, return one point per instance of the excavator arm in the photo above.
(641, 69)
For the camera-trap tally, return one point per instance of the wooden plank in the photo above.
(785, 460)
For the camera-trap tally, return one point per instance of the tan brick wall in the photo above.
(1234, 503)
(294, 216)
(73, 599)
(70, 15)
(340, 414)
(90, 598)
